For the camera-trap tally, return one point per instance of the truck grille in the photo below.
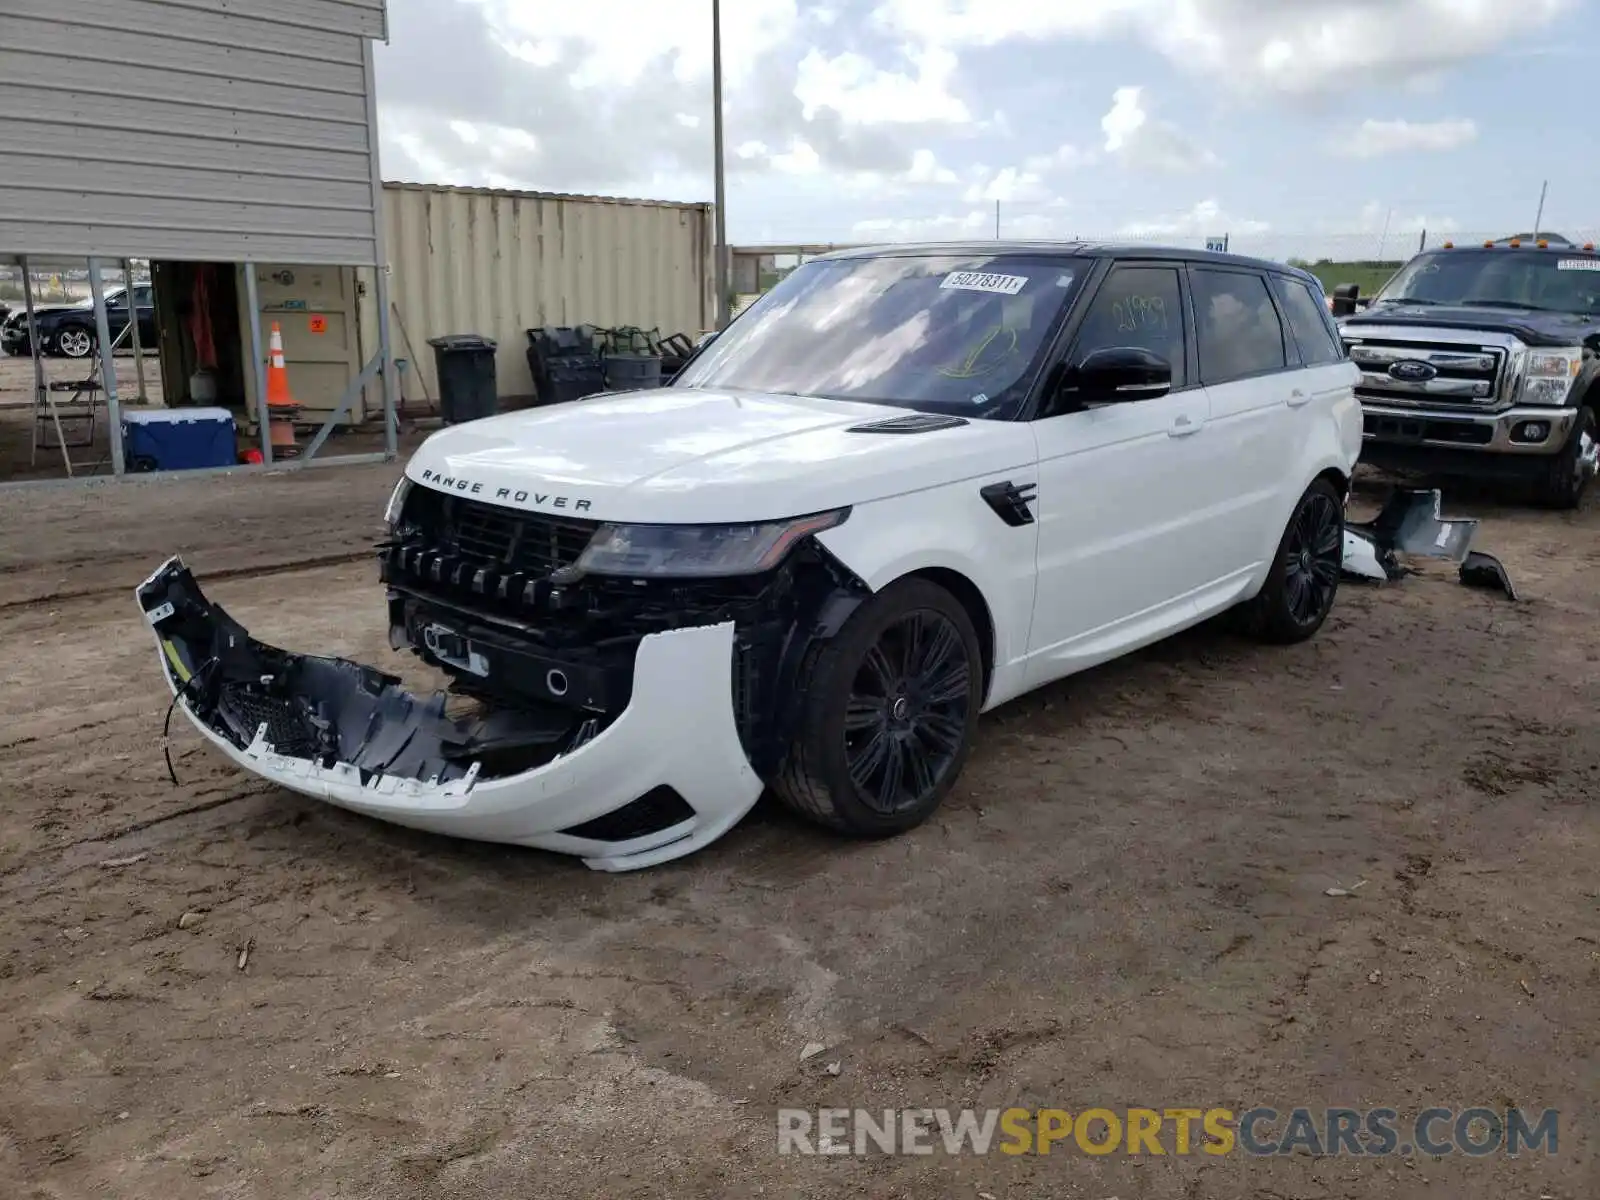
(488, 535)
(1429, 376)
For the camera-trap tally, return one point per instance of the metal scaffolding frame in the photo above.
(379, 367)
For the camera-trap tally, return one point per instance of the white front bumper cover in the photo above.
(677, 731)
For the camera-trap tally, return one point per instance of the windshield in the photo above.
(945, 334)
(1503, 277)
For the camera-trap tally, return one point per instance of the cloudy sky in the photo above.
(1334, 122)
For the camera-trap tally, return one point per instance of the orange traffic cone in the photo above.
(281, 408)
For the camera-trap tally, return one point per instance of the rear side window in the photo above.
(1308, 322)
(1239, 330)
(1137, 306)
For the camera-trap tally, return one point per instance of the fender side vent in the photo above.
(911, 423)
(659, 808)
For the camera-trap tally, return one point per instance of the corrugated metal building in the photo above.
(216, 132)
(233, 144)
(201, 130)
(474, 260)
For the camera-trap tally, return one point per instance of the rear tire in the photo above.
(890, 705)
(1304, 579)
(1569, 473)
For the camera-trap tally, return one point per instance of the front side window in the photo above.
(935, 333)
(1238, 326)
(1137, 306)
(1308, 323)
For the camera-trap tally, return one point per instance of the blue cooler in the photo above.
(179, 439)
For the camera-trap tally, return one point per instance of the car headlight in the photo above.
(397, 503)
(1550, 374)
(697, 551)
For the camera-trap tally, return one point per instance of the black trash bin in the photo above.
(465, 363)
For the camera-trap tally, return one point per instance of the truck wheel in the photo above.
(890, 704)
(1304, 579)
(1569, 473)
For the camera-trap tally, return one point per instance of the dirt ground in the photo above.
(1124, 903)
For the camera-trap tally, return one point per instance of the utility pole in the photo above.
(1539, 217)
(997, 220)
(721, 201)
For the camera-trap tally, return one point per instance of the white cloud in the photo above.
(974, 224)
(1304, 47)
(1060, 160)
(1138, 140)
(1373, 139)
(1203, 220)
(925, 168)
(865, 95)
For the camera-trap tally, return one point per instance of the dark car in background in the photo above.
(68, 330)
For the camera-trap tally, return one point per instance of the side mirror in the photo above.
(1345, 297)
(1117, 374)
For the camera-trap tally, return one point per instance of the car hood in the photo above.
(45, 310)
(688, 455)
(1534, 327)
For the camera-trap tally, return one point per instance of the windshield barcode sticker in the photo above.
(980, 281)
(1578, 264)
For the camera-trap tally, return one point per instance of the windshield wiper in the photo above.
(1506, 304)
(1406, 300)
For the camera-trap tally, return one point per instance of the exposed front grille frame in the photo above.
(494, 537)
(1475, 370)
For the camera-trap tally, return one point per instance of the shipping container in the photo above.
(497, 263)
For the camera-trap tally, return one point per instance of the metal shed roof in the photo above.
(202, 130)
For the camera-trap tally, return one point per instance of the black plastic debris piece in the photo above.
(1485, 571)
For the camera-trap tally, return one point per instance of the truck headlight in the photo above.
(697, 551)
(1550, 374)
(397, 503)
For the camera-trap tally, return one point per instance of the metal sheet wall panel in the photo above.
(467, 260)
(205, 130)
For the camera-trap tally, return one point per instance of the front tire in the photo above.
(1304, 580)
(74, 342)
(889, 710)
(1569, 473)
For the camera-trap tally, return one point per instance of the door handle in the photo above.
(1298, 397)
(1183, 425)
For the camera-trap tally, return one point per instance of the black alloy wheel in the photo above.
(888, 708)
(1313, 558)
(1303, 580)
(906, 719)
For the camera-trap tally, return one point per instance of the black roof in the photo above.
(1000, 246)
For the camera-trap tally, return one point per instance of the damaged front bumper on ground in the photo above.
(667, 775)
(1410, 524)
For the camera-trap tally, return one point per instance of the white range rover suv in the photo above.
(905, 486)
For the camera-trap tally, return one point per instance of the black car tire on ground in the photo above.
(1563, 484)
(1304, 579)
(889, 709)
